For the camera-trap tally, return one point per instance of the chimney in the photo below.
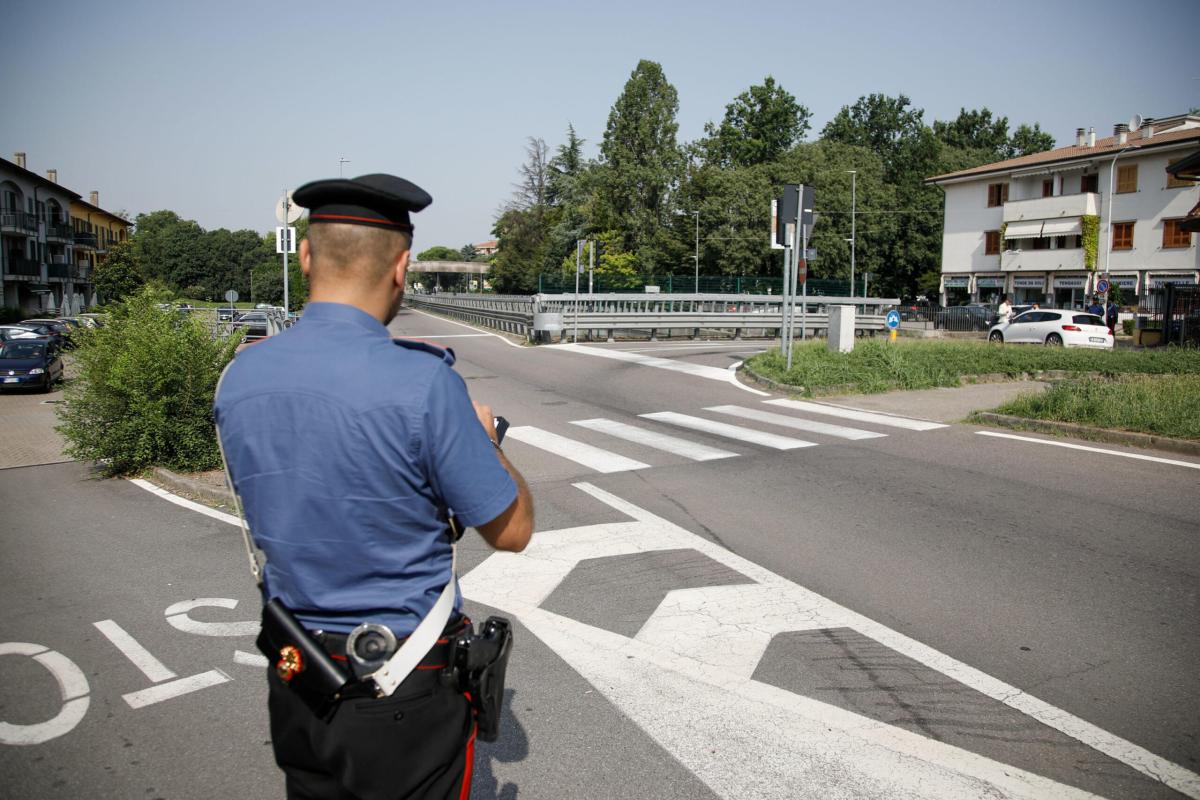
(1091, 137)
(1148, 128)
(1121, 131)
(1079, 139)
(94, 198)
(52, 175)
(19, 159)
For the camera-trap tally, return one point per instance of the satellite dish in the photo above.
(293, 211)
(1135, 123)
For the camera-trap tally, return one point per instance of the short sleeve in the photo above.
(463, 467)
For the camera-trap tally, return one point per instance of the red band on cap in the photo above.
(370, 220)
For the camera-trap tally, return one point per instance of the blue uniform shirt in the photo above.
(343, 447)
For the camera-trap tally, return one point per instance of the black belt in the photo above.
(438, 657)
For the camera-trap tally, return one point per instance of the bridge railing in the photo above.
(559, 315)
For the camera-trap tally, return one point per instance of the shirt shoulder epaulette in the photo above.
(444, 353)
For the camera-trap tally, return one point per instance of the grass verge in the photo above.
(1164, 405)
(880, 366)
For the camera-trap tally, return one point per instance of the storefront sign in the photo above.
(1124, 281)
(1070, 283)
(1158, 281)
(958, 281)
(990, 283)
(1029, 283)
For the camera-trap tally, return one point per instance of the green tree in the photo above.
(641, 166)
(1026, 140)
(144, 392)
(171, 249)
(439, 253)
(760, 125)
(468, 253)
(120, 273)
(892, 129)
(975, 130)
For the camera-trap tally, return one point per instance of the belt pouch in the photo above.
(301, 663)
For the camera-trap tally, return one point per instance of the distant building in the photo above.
(488, 248)
(96, 231)
(37, 259)
(1018, 227)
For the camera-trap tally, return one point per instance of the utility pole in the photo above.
(591, 262)
(341, 162)
(578, 269)
(287, 203)
(697, 256)
(853, 237)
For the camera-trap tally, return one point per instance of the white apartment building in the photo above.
(1020, 227)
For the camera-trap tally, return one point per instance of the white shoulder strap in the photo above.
(255, 569)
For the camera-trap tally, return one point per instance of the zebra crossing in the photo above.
(649, 437)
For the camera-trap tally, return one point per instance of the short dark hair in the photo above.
(355, 250)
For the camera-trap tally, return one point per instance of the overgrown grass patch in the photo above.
(880, 366)
(1165, 405)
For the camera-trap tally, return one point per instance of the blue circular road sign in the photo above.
(1102, 286)
(893, 319)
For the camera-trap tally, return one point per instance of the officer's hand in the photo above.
(486, 419)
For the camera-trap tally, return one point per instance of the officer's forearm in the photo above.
(512, 529)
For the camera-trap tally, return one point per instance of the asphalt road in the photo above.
(909, 613)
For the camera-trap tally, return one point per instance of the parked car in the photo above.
(92, 320)
(969, 317)
(29, 363)
(52, 333)
(254, 322)
(1054, 327)
(17, 332)
(61, 328)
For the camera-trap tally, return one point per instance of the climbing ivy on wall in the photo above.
(1091, 239)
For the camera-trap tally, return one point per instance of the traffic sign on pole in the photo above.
(892, 320)
(1102, 286)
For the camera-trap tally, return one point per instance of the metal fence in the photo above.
(932, 316)
(1176, 313)
(558, 283)
(544, 317)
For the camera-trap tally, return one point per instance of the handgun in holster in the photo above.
(478, 668)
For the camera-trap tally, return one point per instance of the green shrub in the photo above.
(1127, 327)
(143, 391)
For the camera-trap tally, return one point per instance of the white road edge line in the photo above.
(188, 504)
(1069, 445)
(150, 666)
(465, 325)
(733, 368)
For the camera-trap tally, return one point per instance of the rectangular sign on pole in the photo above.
(285, 239)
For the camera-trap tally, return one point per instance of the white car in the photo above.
(17, 332)
(1056, 327)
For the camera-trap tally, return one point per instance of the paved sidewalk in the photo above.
(940, 405)
(27, 421)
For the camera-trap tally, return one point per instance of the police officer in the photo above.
(347, 448)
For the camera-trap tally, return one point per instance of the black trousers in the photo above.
(418, 743)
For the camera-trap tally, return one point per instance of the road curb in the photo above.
(185, 485)
(767, 383)
(1146, 440)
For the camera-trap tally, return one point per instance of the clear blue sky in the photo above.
(211, 109)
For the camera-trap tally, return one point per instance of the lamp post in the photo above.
(696, 214)
(853, 209)
(1112, 171)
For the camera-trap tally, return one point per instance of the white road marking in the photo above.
(72, 686)
(167, 691)
(178, 618)
(465, 325)
(449, 336)
(685, 678)
(874, 417)
(686, 367)
(733, 379)
(249, 659)
(812, 426)
(579, 452)
(1069, 445)
(179, 501)
(659, 441)
(729, 431)
(150, 666)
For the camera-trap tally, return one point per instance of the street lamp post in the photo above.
(853, 209)
(696, 214)
(1112, 171)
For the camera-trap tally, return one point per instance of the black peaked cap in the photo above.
(379, 200)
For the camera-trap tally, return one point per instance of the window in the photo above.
(1173, 182)
(1048, 188)
(997, 194)
(1068, 242)
(1127, 178)
(991, 243)
(1122, 236)
(1174, 235)
(1087, 319)
(1041, 243)
(1089, 183)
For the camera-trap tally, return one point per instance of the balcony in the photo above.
(1063, 205)
(59, 271)
(85, 241)
(59, 232)
(17, 265)
(1042, 260)
(18, 222)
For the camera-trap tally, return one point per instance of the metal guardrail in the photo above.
(560, 314)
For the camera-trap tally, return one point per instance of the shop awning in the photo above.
(990, 282)
(1029, 283)
(1024, 229)
(1072, 226)
(957, 281)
